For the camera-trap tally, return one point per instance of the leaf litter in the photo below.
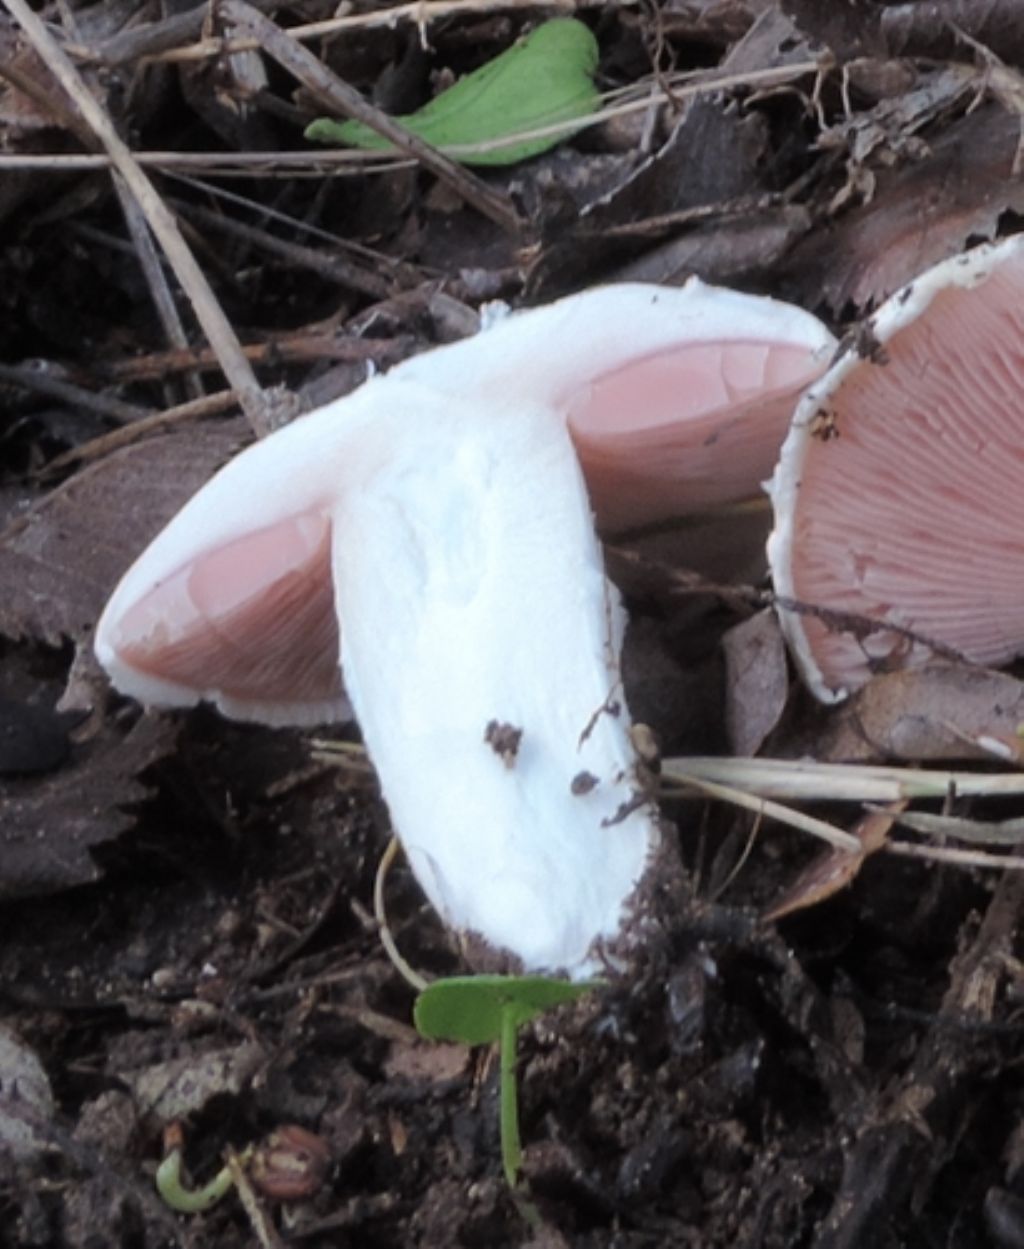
(180, 895)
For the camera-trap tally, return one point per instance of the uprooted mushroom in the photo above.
(898, 496)
(438, 522)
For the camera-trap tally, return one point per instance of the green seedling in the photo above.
(479, 1010)
(189, 1200)
(545, 80)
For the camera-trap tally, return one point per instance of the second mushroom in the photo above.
(899, 495)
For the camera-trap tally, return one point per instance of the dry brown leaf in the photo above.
(940, 712)
(168, 1091)
(48, 824)
(26, 1098)
(756, 681)
(713, 155)
(920, 214)
(915, 29)
(833, 870)
(434, 1062)
(849, 29)
(60, 560)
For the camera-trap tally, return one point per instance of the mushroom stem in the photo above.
(481, 656)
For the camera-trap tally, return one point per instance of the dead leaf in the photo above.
(834, 870)
(939, 712)
(915, 29)
(26, 1099)
(717, 21)
(168, 1091)
(433, 1062)
(756, 681)
(731, 250)
(31, 99)
(920, 214)
(713, 155)
(47, 825)
(60, 560)
(850, 29)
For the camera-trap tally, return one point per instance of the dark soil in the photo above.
(187, 923)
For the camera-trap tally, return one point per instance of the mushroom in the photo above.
(899, 493)
(441, 514)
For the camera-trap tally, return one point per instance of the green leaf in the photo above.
(544, 79)
(471, 1009)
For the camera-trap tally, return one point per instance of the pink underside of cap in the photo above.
(690, 429)
(914, 511)
(253, 619)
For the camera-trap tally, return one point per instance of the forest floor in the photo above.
(187, 904)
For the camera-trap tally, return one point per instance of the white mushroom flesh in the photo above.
(480, 653)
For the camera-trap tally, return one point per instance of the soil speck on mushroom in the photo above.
(504, 740)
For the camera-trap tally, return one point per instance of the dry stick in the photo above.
(145, 252)
(764, 807)
(288, 163)
(130, 46)
(334, 268)
(338, 95)
(43, 383)
(401, 272)
(951, 854)
(157, 423)
(263, 1229)
(160, 40)
(161, 221)
(159, 287)
(299, 347)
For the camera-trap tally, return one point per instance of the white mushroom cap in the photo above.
(232, 602)
(899, 494)
(677, 398)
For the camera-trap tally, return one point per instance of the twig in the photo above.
(805, 780)
(264, 1231)
(961, 828)
(44, 383)
(158, 41)
(336, 94)
(288, 164)
(387, 940)
(159, 287)
(106, 444)
(775, 811)
(402, 272)
(161, 221)
(319, 342)
(147, 42)
(333, 268)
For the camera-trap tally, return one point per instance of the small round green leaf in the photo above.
(470, 1008)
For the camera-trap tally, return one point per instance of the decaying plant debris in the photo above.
(185, 903)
